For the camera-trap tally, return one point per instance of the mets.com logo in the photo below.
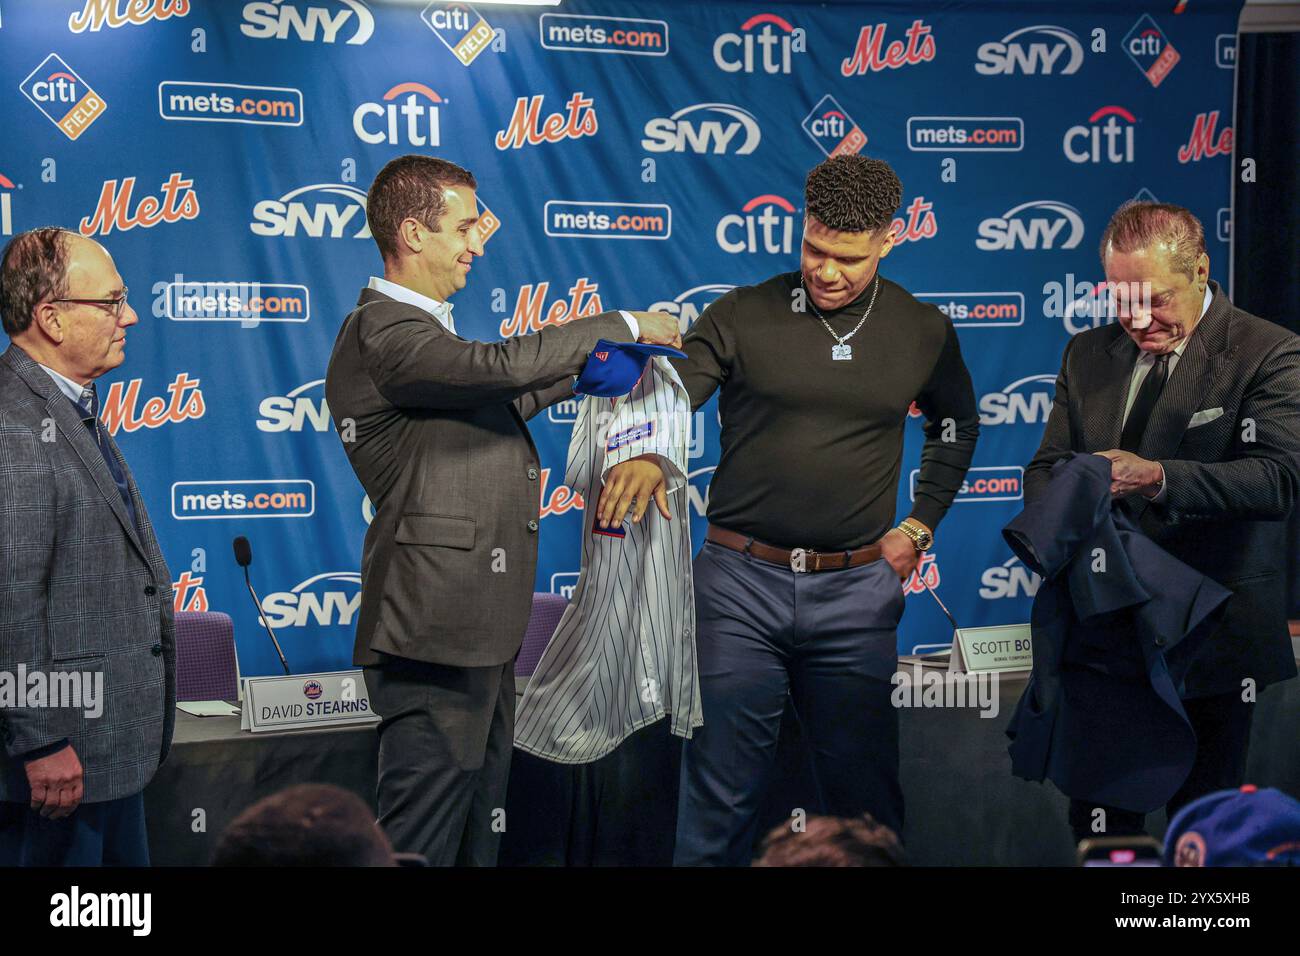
(249, 303)
(579, 219)
(326, 600)
(966, 134)
(65, 98)
(995, 483)
(978, 310)
(185, 100)
(579, 33)
(261, 498)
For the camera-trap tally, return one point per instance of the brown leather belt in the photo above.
(799, 559)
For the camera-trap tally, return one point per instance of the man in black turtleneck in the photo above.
(797, 587)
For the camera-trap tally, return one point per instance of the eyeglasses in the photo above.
(114, 305)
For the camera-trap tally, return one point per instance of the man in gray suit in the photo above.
(87, 652)
(1197, 406)
(433, 425)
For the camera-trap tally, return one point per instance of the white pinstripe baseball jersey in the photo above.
(623, 654)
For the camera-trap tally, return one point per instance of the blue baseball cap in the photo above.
(1246, 827)
(613, 368)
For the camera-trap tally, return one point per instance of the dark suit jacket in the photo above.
(441, 448)
(1227, 496)
(82, 590)
(1117, 624)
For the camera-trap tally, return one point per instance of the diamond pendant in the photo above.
(842, 352)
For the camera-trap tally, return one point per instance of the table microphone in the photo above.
(244, 557)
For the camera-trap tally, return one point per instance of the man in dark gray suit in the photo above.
(1197, 405)
(433, 425)
(85, 596)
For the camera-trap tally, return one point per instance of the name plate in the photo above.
(306, 700)
(988, 650)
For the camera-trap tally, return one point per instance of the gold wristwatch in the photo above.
(922, 539)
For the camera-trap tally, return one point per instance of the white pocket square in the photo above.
(1200, 418)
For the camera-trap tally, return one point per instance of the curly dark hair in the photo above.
(833, 841)
(853, 193)
(410, 186)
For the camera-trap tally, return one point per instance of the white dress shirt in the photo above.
(1145, 362)
(80, 394)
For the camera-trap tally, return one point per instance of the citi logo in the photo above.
(766, 43)
(6, 206)
(688, 305)
(764, 224)
(1103, 139)
(677, 133)
(122, 411)
(1202, 142)
(278, 19)
(97, 14)
(528, 317)
(408, 115)
(1040, 224)
(304, 407)
(312, 210)
(1010, 579)
(528, 128)
(1056, 51)
(179, 201)
(1027, 401)
(328, 599)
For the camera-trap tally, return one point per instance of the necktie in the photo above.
(89, 408)
(1144, 404)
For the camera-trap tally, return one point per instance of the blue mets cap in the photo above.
(613, 368)
(1245, 827)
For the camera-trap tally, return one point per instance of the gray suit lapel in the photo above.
(1103, 403)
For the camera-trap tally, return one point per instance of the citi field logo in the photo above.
(1010, 579)
(230, 103)
(688, 305)
(1040, 224)
(701, 134)
(532, 314)
(62, 96)
(349, 21)
(121, 409)
(764, 224)
(97, 14)
(408, 114)
(871, 55)
(1025, 401)
(1041, 49)
(321, 211)
(488, 223)
(578, 33)
(576, 219)
(326, 600)
(1150, 51)
(179, 201)
(1203, 142)
(460, 28)
(995, 483)
(832, 129)
(212, 500)
(527, 127)
(766, 43)
(978, 310)
(302, 409)
(7, 189)
(966, 134)
(1103, 139)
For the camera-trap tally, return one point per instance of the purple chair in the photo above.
(205, 656)
(545, 617)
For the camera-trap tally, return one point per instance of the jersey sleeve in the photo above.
(654, 419)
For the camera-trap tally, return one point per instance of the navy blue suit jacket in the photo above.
(1117, 624)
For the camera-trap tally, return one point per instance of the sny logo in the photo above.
(286, 215)
(1027, 400)
(421, 118)
(526, 126)
(1011, 579)
(64, 97)
(776, 47)
(832, 129)
(775, 220)
(329, 599)
(1103, 124)
(1150, 51)
(689, 304)
(1006, 56)
(97, 14)
(179, 201)
(676, 133)
(1032, 225)
(870, 54)
(275, 20)
(293, 412)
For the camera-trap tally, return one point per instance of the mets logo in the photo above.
(602, 356)
(312, 689)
